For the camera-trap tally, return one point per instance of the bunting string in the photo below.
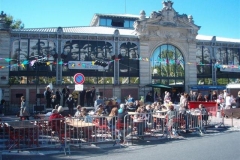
(158, 61)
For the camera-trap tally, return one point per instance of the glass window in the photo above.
(109, 80)
(208, 81)
(131, 24)
(154, 81)
(31, 80)
(126, 24)
(134, 80)
(23, 80)
(102, 22)
(14, 80)
(68, 80)
(167, 62)
(222, 81)
(200, 81)
(124, 80)
(90, 80)
(164, 81)
(235, 57)
(109, 22)
(179, 82)
(171, 81)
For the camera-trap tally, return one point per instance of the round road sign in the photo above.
(79, 78)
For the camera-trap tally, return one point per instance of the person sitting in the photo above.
(97, 102)
(86, 118)
(109, 107)
(62, 112)
(87, 131)
(139, 120)
(78, 112)
(100, 111)
(131, 107)
(55, 120)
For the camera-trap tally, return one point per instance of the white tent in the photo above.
(233, 86)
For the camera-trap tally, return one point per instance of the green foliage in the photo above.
(14, 24)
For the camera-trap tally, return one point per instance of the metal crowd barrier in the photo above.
(59, 133)
(66, 132)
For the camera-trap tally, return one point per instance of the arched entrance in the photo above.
(168, 68)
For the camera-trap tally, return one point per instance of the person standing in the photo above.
(65, 94)
(93, 90)
(75, 96)
(2, 107)
(54, 101)
(70, 104)
(238, 100)
(23, 114)
(48, 96)
(82, 97)
(88, 97)
(58, 96)
(228, 101)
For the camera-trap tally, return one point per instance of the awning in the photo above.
(157, 86)
(204, 87)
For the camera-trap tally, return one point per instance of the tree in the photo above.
(14, 24)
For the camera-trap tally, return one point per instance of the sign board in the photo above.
(86, 65)
(230, 70)
(79, 78)
(78, 87)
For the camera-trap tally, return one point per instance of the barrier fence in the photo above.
(66, 132)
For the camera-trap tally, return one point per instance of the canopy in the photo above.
(234, 85)
(157, 86)
(204, 87)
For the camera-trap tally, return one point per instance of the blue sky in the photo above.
(216, 17)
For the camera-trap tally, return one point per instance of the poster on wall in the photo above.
(23, 54)
(86, 52)
(128, 55)
(14, 55)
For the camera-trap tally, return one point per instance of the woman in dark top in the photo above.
(214, 96)
(54, 101)
(200, 97)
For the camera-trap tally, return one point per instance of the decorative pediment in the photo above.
(167, 17)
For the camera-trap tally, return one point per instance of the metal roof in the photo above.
(48, 30)
(103, 30)
(218, 39)
(118, 15)
(80, 30)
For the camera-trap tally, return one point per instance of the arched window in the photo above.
(167, 65)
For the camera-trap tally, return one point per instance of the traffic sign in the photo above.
(79, 78)
(78, 87)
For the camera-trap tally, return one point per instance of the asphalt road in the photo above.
(215, 147)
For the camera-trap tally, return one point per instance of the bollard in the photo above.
(232, 119)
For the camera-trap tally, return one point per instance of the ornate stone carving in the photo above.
(167, 5)
(2, 16)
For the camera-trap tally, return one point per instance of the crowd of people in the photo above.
(144, 108)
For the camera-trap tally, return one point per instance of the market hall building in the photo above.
(157, 52)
